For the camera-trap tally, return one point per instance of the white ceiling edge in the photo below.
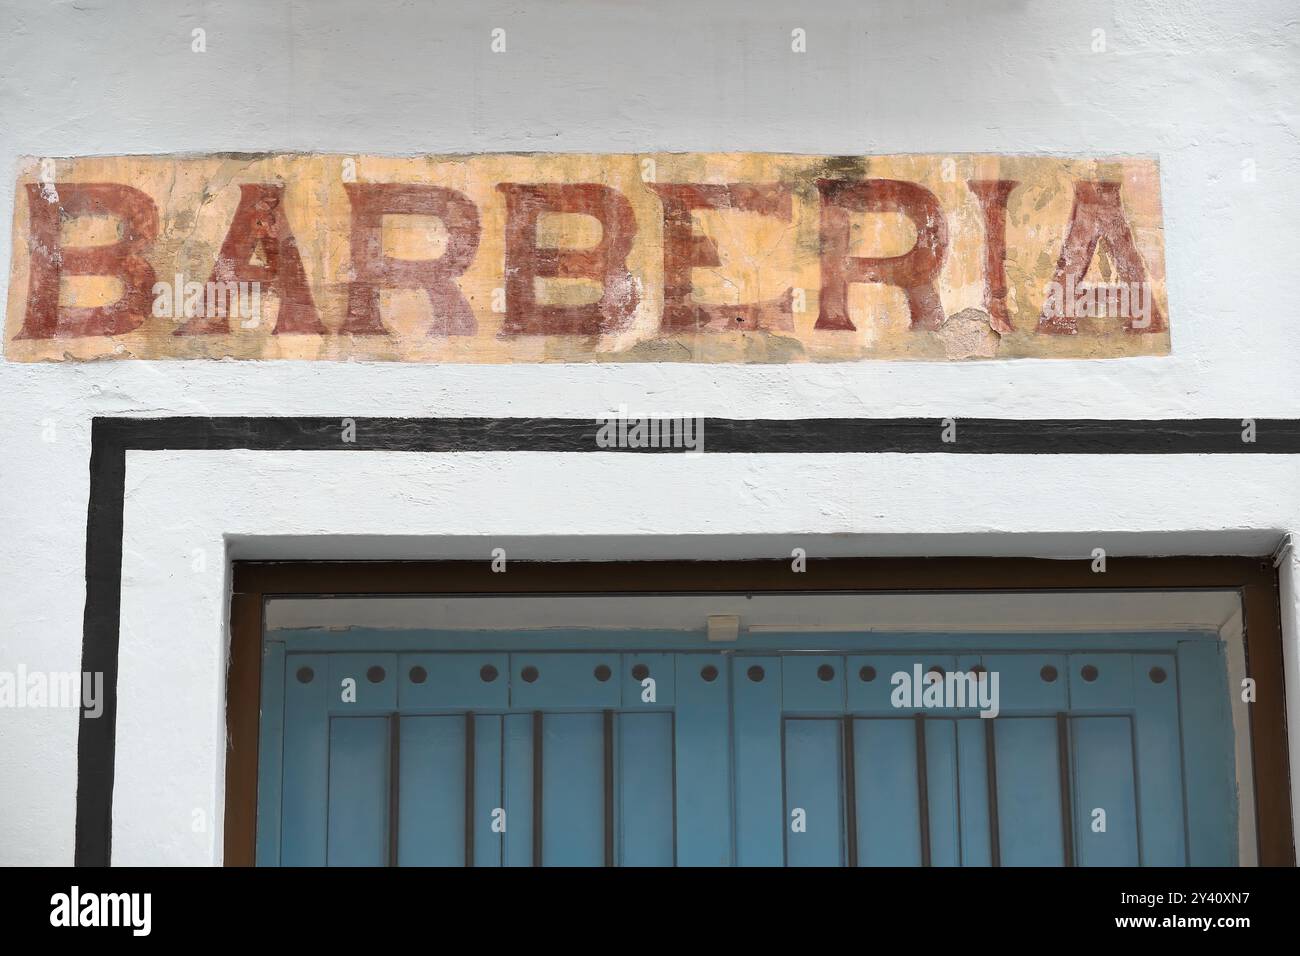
(724, 547)
(807, 613)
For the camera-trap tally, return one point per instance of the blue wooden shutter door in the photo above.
(589, 757)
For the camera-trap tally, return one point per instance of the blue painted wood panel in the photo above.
(573, 803)
(814, 832)
(645, 789)
(942, 792)
(1029, 802)
(567, 681)
(888, 805)
(487, 789)
(1105, 806)
(303, 815)
(1208, 760)
(358, 791)
(759, 799)
(1159, 760)
(431, 803)
(517, 789)
(703, 740)
(453, 682)
(709, 752)
(973, 779)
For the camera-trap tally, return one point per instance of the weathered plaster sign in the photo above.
(575, 258)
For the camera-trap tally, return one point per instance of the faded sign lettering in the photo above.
(746, 257)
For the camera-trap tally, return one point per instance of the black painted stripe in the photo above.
(973, 436)
(96, 743)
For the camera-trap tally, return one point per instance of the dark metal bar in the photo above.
(923, 789)
(609, 788)
(991, 777)
(394, 783)
(1067, 810)
(672, 722)
(469, 789)
(537, 788)
(850, 792)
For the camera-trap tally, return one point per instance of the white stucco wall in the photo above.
(1204, 86)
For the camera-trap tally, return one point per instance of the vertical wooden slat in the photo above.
(394, 785)
(1270, 754)
(922, 789)
(517, 789)
(305, 768)
(850, 794)
(1067, 804)
(488, 795)
(703, 742)
(1102, 749)
(1029, 820)
(1158, 755)
(431, 813)
(358, 800)
(761, 819)
(270, 768)
(991, 775)
(572, 790)
(469, 788)
(1206, 718)
(813, 767)
(537, 788)
(243, 695)
(608, 730)
(644, 789)
(885, 764)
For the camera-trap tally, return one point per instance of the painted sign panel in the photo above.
(502, 258)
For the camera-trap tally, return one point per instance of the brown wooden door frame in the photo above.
(1254, 578)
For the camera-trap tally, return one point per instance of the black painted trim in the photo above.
(111, 438)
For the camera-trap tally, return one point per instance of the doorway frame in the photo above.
(1255, 579)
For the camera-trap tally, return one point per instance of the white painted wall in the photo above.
(1204, 86)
